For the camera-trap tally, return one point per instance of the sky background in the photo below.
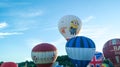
(26, 23)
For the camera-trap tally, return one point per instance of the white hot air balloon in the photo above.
(69, 26)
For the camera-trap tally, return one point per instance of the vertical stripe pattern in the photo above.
(80, 42)
(80, 50)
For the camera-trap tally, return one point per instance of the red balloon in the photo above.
(96, 60)
(111, 51)
(9, 64)
(44, 55)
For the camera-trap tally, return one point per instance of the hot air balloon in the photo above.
(69, 26)
(9, 64)
(111, 51)
(97, 60)
(104, 65)
(107, 63)
(80, 50)
(44, 55)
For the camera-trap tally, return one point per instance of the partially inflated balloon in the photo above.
(104, 65)
(9, 64)
(80, 50)
(44, 55)
(111, 51)
(97, 60)
(107, 63)
(69, 26)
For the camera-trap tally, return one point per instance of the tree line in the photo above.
(62, 60)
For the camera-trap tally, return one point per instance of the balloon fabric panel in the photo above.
(43, 57)
(80, 50)
(80, 42)
(80, 53)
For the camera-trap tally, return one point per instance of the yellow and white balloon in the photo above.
(69, 26)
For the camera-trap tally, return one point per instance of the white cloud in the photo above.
(60, 45)
(33, 42)
(7, 4)
(3, 24)
(94, 32)
(3, 34)
(99, 35)
(28, 13)
(20, 29)
(59, 41)
(32, 13)
(24, 13)
(89, 18)
(8, 33)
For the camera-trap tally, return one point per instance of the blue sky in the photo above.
(25, 23)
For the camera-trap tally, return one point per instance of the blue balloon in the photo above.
(80, 50)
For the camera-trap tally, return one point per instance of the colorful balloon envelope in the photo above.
(107, 63)
(111, 51)
(9, 64)
(104, 65)
(69, 26)
(80, 50)
(44, 55)
(97, 60)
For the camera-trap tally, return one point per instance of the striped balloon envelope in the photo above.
(44, 54)
(80, 50)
